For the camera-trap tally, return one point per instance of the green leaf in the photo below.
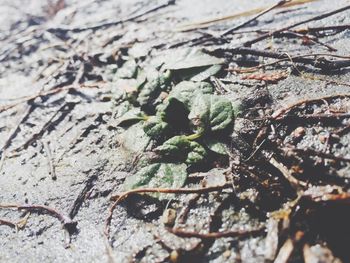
(198, 74)
(190, 58)
(128, 70)
(197, 153)
(132, 116)
(151, 90)
(155, 128)
(216, 146)
(200, 112)
(185, 91)
(181, 148)
(237, 107)
(158, 175)
(210, 112)
(177, 106)
(134, 140)
(176, 148)
(221, 113)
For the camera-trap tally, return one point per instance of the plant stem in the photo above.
(194, 136)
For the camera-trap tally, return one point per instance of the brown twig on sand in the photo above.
(7, 223)
(294, 182)
(214, 235)
(67, 223)
(279, 113)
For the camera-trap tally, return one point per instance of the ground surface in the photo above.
(70, 133)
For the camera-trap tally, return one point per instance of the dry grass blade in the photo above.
(206, 23)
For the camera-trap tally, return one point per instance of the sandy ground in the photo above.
(71, 134)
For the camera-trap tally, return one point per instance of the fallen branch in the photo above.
(288, 58)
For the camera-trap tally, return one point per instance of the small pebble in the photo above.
(299, 132)
(322, 138)
(169, 217)
(227, 254)
(174, 256)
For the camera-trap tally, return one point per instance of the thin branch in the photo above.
(67, 223)
(184, 212)
(232, 29)
(46, 93)
(319, 60)
(314, 30)
(65, 108)
(114, 23)
(7, 223)
(294, 182)
(208, 37)
(277, 114)
(309, 38)
(315, 18)
(287, 58)
(214, 235)
(15, 130)
(171, 191)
